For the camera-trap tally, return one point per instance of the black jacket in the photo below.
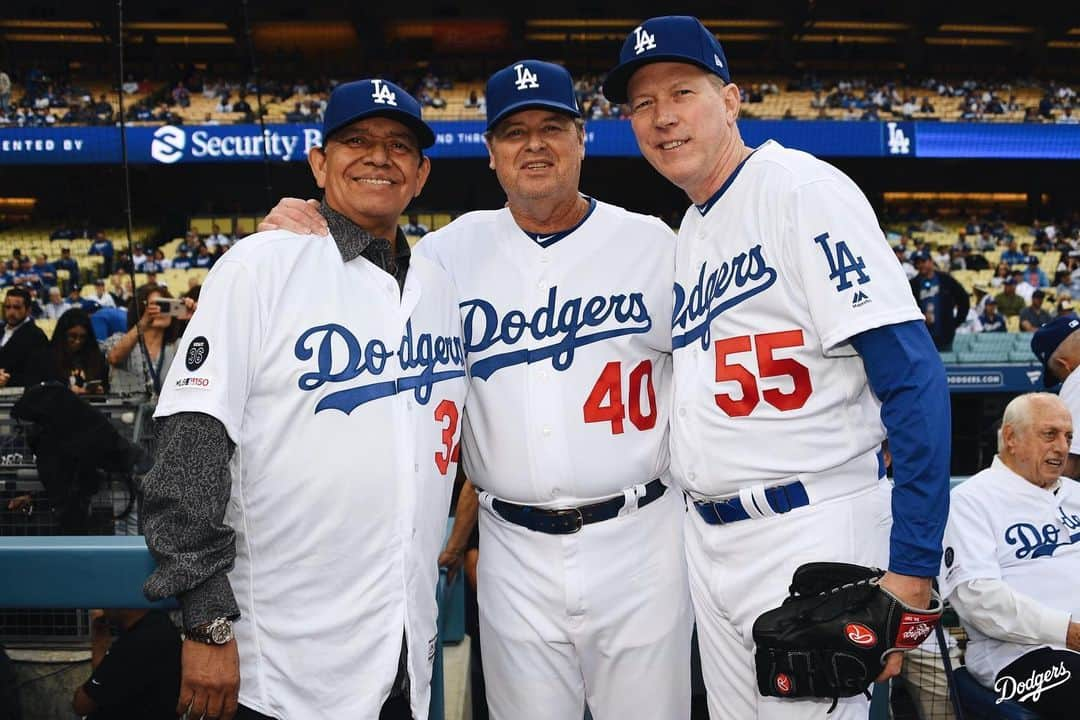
(954, 305)
(25, 356)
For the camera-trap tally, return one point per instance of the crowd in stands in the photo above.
(40, 100)
(990, 278)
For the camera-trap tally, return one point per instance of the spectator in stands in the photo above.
(180, 95)
(1034, 275)
(415, 227)
(100, 295)
(472, 101)
(1001, 272)
(120, 288)
(103, 247)
(75, 358)
(1067, 117)
(147, 349)
(183, 260)
(66, 262)
(137, 675)
(55, 306)
(103, 110)
(130, 86)
(901, 257)
(45, 270)
(1012, 256)
(242, 106)
(943, 301)
(23, 345)
(1009, 303)
(991, 320)
(216, 237)
(296, 115)
(25, 276)
(203, 259)
(152, 264)
(1023, 288)
(138, 257)
(1035, 315)
(5, 92)
(1011, 568)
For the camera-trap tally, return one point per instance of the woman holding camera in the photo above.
(145, 352)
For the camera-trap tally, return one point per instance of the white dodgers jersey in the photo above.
(772, 277)
(343, 396)
(1002, 527)
(568, 350)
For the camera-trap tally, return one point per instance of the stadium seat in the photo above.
(963, 342)
(1012, 324)
(948, 357)
(1023, 356)
(983, 357)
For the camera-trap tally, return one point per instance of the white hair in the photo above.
(1019, 411)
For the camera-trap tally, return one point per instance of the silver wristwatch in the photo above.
(216, 632)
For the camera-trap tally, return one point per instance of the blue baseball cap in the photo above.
(1048, 338)
(361, 99)
(530, 84)
(671, 38)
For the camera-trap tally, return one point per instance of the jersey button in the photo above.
(416, 467)
(682, 412)
(556, 492)
(691, 476)
(546, 430)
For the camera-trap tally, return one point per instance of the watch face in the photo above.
(220, 633)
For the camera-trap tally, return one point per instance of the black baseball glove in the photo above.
(831, 637)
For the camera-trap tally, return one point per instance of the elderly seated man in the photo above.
(1011, 566)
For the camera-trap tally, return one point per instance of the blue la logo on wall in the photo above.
(559, 327)
(438, 358)
(745, 275)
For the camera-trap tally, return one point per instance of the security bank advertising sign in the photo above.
(178, 144)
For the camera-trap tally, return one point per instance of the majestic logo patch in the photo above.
(198, 351)
(859, 299)
(745, 275)
(526, 78)
(860, 635)
(950, 555)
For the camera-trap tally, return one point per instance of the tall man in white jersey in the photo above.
(307, 452)
(795, 338)
(565, 302)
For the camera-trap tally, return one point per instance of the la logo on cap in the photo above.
(383, 95)
(525, 78)
(716, 59)
(645, 41)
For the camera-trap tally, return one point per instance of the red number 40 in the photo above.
(605, 402)
(768, 367)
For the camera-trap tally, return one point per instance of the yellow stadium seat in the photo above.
(245, 226)
(47, 325)
(1012, 323)
(202, 225)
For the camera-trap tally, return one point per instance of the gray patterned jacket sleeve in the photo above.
(184, 500)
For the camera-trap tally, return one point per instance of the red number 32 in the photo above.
(768, 367)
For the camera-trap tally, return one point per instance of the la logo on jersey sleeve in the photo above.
(846, 268)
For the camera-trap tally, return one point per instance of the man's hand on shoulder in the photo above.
(210, 680)
(915, 592)
(296, 215)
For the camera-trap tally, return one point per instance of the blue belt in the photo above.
(781, 498)
(567, 521)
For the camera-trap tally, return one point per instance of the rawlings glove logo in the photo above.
(860, 635)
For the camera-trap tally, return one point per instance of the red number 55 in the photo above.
(768, 367)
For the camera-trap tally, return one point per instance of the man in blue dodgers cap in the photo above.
(1057, 345)
(565, 303)
(797, 342)
(306, 447)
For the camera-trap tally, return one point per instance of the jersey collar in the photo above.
(548, 240)
(706, 206)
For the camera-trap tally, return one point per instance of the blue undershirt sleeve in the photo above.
(906, 374)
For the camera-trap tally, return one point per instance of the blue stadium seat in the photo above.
(992, 339)
(984, 356)
(980, 703)
(962, 343)
(1022, 356)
